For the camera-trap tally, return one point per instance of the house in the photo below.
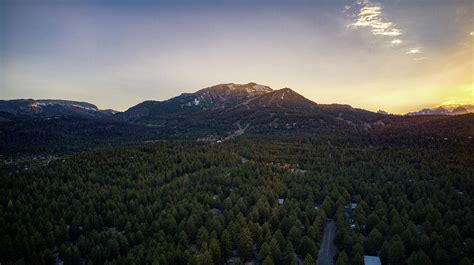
(372, 260)
(281, 201)
(349, 210)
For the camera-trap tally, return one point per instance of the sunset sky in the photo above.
(395, 55)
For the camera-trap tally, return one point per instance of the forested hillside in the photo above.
(217, 113)
(183, 202)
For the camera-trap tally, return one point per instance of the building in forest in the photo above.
(372, 260)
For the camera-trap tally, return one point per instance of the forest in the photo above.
(250, 199)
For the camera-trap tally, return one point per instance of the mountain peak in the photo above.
(287, 94)
(249, 88)
(287, 90)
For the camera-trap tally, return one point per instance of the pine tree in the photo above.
(307, 246)
(396, 251)
(268, 261)
(342, 258)
(226, 243)
(308, 260)
(244, 245)
(264, 252)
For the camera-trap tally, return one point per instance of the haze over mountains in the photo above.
(215, 113)
(458, 109)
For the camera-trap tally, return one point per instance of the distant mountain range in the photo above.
(445, 110)
(216, 113)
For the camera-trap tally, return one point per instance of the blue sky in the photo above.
(393, 55)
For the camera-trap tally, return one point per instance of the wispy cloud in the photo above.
(371, 15)
(413, 51)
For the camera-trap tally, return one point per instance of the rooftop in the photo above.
(372, 260)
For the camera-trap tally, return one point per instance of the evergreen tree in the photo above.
(373, 242)
(307, 246)
(264, 252)
(396, 251)
(308, 260)
(276, 251)
(226, 244)
(267, 261)
(244, 245)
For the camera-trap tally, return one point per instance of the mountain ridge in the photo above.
(218, 113)
(457, 109)
(217, 109)
(53, 107)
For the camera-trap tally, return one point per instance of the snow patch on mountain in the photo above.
(250, 88)
(64, 103)
(84, 107)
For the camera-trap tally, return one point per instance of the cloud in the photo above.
(370, 16)
(396, 42)
(413, 51)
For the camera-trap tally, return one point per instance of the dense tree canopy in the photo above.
(183, 202)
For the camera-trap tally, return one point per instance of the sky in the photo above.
(393, 55)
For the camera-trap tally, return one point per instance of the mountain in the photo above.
(48, 108)
(445, 110)
(212, 98)
(47, 126)
(212, 114)
(227, 109)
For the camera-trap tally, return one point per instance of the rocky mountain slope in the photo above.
(226, 108)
